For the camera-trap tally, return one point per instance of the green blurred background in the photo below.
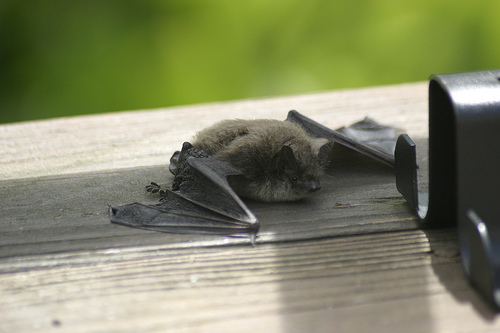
(60, 58)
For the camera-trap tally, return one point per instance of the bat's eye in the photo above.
(295, 178)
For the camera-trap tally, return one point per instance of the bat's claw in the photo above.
(154, 188)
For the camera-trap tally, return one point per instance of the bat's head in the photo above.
(302, 173)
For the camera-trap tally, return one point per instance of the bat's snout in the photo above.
(314, 186)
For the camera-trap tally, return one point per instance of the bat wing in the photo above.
(366, 137)
(202, 202)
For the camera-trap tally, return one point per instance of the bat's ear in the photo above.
(174, 163)
(325, 153)
(285, 158)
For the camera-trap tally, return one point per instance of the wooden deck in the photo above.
(350, 259)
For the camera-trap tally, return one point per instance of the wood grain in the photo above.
(403, 281)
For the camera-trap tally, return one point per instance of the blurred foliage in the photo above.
(62, 58)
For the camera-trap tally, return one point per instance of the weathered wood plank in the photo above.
(46, 201)
(70, 212)
(405, 281)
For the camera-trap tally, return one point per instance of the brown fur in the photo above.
(271, 172)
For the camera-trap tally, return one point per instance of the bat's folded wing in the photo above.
(210, 189)
(366, 137)
(204, 202)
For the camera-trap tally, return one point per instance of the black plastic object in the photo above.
(464, 171)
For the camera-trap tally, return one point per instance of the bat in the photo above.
(265, 160)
